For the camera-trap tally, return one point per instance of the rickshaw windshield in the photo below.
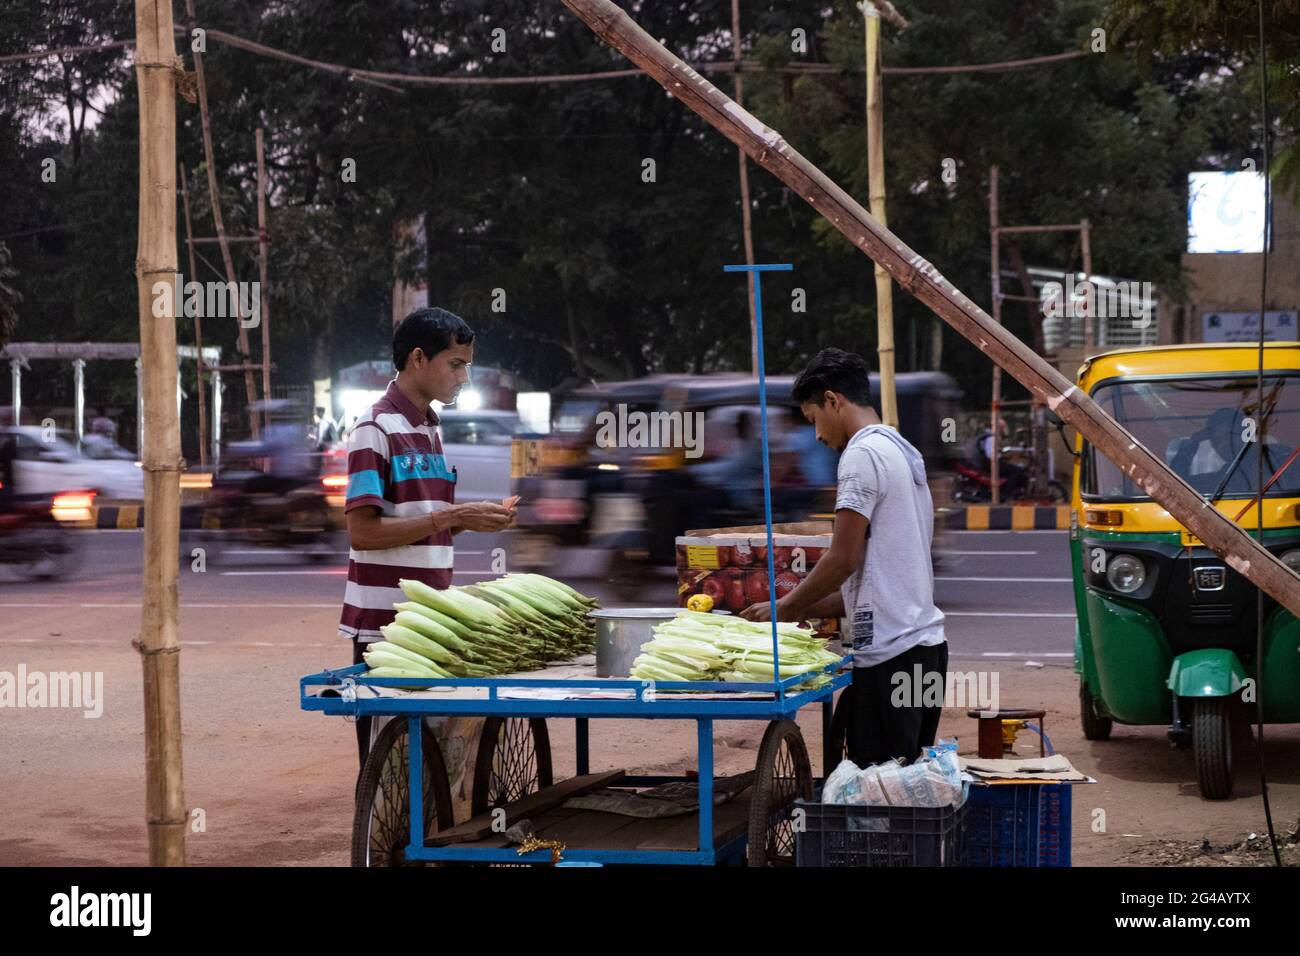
(1210, 431)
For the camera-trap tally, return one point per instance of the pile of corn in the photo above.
(711, 647)
(514, 623)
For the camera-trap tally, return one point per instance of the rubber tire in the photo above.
(840, 730)
(1095, 726)
(760, 810)
(488, 742)
(1212, 746)
(437, 796)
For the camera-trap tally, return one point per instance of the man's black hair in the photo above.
(833, 370)
(429, 330)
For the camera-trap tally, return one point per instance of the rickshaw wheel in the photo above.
(381, 826)
(781, 775)
(1212, 746)
(1095, 726)
(514, 760)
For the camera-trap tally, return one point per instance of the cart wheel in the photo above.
(1212, 746)
(781, 775)
(514, 760)
(381, 827)
(1095, 726)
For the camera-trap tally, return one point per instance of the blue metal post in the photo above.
(757, 271)
(704, 743)
(415, 759)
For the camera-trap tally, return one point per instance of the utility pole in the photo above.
(159, 642)
(995, 279)
(876, 198)
(263, 292)
(250, 386)
(746, 215)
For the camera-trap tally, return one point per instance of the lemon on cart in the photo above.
(699, 602)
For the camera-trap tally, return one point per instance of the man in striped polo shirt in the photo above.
(401, 510)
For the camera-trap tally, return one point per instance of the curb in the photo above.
(1007, 518)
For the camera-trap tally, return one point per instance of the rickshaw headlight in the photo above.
(1126, 573)
(1292, 559)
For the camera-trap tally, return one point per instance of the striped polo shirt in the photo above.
(395, 463)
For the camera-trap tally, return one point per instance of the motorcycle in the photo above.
(34, 540)
(258, 510)
(975, 485)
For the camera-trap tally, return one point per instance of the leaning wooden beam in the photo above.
(767, 148)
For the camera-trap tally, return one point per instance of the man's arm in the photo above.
(818, 594)
(369, 530)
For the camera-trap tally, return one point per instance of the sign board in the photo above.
(1244, 327)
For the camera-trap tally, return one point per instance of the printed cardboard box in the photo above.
(730, 564)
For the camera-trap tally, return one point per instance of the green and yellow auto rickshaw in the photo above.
(1166, 631)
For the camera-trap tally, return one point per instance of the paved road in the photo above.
(1006, 594)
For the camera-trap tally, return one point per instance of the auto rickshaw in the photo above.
(1166, 631)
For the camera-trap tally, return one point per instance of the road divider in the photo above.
(1004, 518)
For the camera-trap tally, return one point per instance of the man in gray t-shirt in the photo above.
(877, 574)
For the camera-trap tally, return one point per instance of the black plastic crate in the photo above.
(850, 835)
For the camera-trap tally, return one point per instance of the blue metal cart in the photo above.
(398, 821)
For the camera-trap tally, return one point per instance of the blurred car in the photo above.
(477, 445)
(44, 466)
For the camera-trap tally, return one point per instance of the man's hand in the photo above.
(482, 516)
(762, 611)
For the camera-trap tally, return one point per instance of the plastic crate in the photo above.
(849, 835)
(1018, 825)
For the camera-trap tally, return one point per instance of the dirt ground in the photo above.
(275, 783)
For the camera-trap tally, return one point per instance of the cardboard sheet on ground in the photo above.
(1055, 768)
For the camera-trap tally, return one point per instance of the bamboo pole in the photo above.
(263, 292)
(159, 641)
(995, 282)
(250, 386)
(746, 214)
(198, 319)
(876, 197)
(919, 277)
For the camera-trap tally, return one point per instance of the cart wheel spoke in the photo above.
(514, 760)
(381, 826)
(782, 775)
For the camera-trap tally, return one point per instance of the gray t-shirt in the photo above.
(889, 601)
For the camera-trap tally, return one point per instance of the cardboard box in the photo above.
(730, 564)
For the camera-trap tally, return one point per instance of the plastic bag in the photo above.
(930, 782)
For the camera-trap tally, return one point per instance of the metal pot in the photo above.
(620, 632)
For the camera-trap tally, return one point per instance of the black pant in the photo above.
(363, 723)
(889, 718)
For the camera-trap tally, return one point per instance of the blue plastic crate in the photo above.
(1018, 825)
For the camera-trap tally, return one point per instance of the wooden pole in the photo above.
(876, 197)
(263, 292)
(919, 277)
(746, 214)
(250, 384)
(159, 642)
(198, 320)
(995, 281)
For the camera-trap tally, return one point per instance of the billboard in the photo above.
(1225, 212)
